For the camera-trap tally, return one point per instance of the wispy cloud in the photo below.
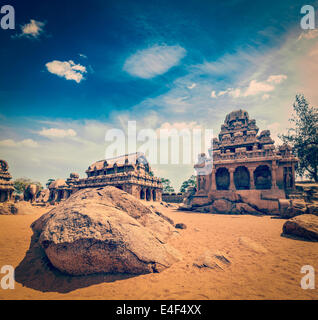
(57, 133)
(254, 88)
(67, 69)
(14, 144)
(153, 61)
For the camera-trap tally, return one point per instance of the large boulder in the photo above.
(105, 230)
(222, 206)
(305, 226)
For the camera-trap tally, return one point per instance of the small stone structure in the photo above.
(245, 163)
(6, 185)
(172, 197)
(130, 173)
(62, 189)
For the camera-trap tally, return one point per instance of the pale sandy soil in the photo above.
(264, 265)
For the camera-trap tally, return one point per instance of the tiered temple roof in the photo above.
(6, 185)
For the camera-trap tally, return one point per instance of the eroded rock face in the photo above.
(105, 230)
(222, 206)
(227, 203)
(305, 226)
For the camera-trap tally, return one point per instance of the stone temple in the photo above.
(130, 173)
(247, 163)
(6, 185)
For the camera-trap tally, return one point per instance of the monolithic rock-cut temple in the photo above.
(6, 185)
(247, 163)
(130, 173)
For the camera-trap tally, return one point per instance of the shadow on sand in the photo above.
(294, 237)
(35, 271)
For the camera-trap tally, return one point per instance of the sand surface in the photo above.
(264, 265)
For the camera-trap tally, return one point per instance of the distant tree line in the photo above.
(21, 184)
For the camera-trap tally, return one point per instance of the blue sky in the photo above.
(72, 70)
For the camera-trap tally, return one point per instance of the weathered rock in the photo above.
(205, 209)
(185, 207)
(217, 260)
(296, 208)
(180, 226)
(222, 206)
(305, 226)
(226, 195)
(105, 230)
(244, 208)
(313, 209)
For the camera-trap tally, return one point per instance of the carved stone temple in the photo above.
(6, 185)
(130, 173)
(244, 162)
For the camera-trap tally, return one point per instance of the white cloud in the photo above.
(67, 69)
(222, 93)
(277, 79)
(33, 29)
(193, 85)
(256, 87)
(265, 96)
(213, 94)
(57, 133)
(235, 93)
(23, 143)
(153, 61)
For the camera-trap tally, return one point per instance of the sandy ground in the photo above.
(264, 265)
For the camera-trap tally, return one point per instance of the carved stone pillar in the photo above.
(252, 182)
(274, 180)
(294, 176)
(213, 180)
(232, 185)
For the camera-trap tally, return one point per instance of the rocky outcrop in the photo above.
(105, 230)
(296, 207)
(222, 206)
(227, 202)
(305, 226)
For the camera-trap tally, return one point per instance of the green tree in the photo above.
(191, 182)
(303, 137)
(167, 188)
(21, 184)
